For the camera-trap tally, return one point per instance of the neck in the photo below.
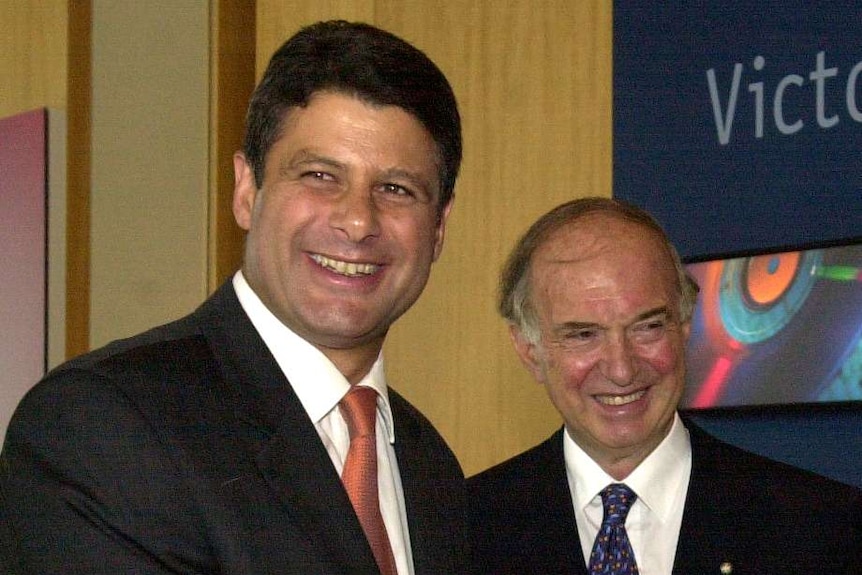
(620, 469)
(620, 462)
(354, 363)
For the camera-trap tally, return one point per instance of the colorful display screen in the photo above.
(781, 327)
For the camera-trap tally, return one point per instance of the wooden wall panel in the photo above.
(534, 85)
(79, 152)
(32, 55)
(232, 69)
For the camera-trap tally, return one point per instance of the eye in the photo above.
(316, 175)
(650, 330)
(580, 338)
(582, 335)
(396, 189)
(319, 180)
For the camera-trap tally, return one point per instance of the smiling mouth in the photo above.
(349, 269)
(617, 400)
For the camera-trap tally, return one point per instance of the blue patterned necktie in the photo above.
(612, 552)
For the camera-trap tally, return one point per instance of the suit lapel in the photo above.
(296, 466)
(523, 519)
(284, 444)
(696, 549)
(707, 523)
(563, 540)
(420, 497)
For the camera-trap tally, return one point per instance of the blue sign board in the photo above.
(739, 124)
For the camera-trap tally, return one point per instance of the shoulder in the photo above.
(157, 358)
(412, 424)
(175, 349)
(111, 390)
(423, 454)
(811, 519)
(735, 477)
(522, 489)
(90, 448)
(520, 469)
(152, 362)
(520, 513)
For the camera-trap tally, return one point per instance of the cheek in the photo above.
(573, 369)
(423, 231)
(664, 358)
(421, 221)
(288, 217)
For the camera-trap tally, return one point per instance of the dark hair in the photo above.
(362, 61)
(514, 296)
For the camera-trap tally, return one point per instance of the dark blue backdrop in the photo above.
(782, 168)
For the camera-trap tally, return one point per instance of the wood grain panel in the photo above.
(32, 55)
(232, 74)
(534, 85)
(78, 156)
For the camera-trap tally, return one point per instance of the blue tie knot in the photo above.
(617, 499)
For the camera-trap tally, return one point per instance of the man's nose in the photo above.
(356, 214)
(618, 360)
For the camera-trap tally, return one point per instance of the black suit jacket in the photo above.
(185, 450)
(760, 516)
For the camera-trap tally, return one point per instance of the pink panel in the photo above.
(23, 227)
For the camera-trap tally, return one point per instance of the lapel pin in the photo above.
(726, 568)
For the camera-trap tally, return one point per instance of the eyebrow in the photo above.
(305, 156)
(661, 310)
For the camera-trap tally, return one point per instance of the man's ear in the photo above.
(528, 352)
(686, 332)
(441, 229)
(244, 191)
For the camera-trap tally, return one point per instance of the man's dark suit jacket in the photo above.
(185, 450)
(762, 517)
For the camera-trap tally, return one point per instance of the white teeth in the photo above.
(620, 399)
(349, 269)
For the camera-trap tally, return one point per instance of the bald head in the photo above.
(578, 229)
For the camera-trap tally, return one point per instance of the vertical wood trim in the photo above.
(233, 75)
(78, 102)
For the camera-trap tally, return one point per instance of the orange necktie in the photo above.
(359, 408)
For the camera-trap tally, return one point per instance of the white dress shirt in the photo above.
(320, 387)
(653, 522)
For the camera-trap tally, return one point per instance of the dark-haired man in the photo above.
(218, 443)
(599, 308)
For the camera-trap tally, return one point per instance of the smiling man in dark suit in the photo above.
(215, 444)
(599, 308)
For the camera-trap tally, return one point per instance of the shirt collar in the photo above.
(314, 378)
(657, 480)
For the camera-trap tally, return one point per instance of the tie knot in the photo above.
(617, 499)
(359, 408)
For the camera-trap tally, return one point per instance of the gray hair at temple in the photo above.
(514, 302)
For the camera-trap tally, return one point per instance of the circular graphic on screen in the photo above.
(759, 295)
